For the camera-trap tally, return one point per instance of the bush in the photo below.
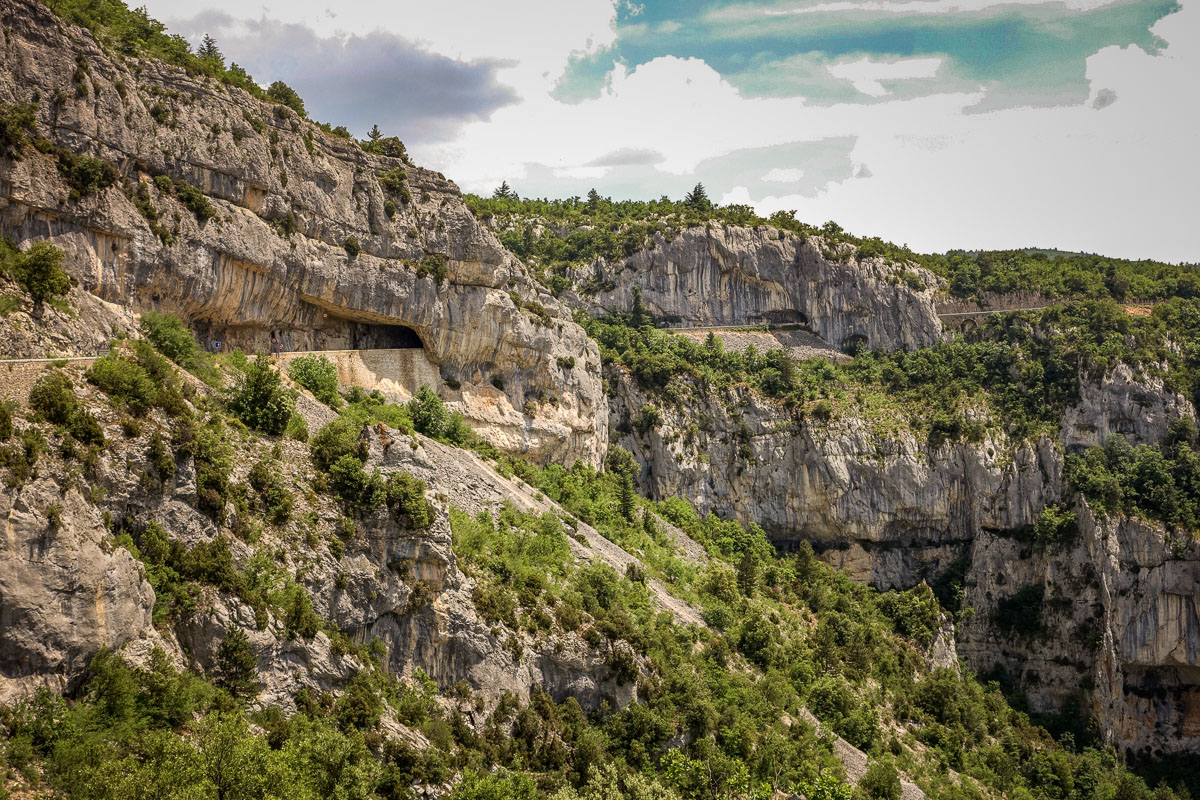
(296, 429)
(214, 463)
(39, 271)
(161, 457)
(350, 482)
(319, 376)
(881, 781)
(405, 497)
(300, 618)
(6, 419)
(336, 439)
(172, 338)
(84, 174)
(283, 94)
(261, 400)
(196, 201)
(17, 121)
(237, 666)
(84, 427)
(125, 382)
(53, 398)
(352, 247)
(268, 481)
(430, 417)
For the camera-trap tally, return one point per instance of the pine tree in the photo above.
(626, 496)
(621, 463)
(504, 191)
(375, 134)
(697, 198)
(237, 665)
(210, 53)
(639, 317)
(593, 201)
(747, 576)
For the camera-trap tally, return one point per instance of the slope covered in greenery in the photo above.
(720, 709)
(554, 235)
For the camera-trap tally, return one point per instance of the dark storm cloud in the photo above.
(357, 81)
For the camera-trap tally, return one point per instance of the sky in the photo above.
(938, 124)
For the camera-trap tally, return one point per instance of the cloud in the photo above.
(626, 156)
(1104, 98)
(868, 75)
(783, 175)
(361, 80)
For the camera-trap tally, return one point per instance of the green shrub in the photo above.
(17, 122)
(267, 480)
(84, 427)
(161, 457)
(352, 247)
(881, 781)
(237, 666)
(196, 201)
(296, 429)
(125, 382)
(260, 399)
(430, 417)
(84, 174)
(22, 455)
(214, 463)
(172, 338)
(53, 398)
(39, 271)
(300, 618)
(319, 376)
(338, 438)
(405, 497)
(6, 419)
(285, 95)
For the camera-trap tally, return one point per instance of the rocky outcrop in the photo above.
(1136, 405)
(273, 263)
(1115, 631)
(1106, 622)
(880, 503)
(729, 275)
(65, 591)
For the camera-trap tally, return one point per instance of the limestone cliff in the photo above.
(69, 584)
(1116, 613)
(275, 262)
(730, 275)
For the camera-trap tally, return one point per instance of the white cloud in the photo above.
(538, 36)
(783, 175)
(1119, 180)
(866, 74)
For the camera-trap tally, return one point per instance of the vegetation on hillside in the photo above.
(553, 236)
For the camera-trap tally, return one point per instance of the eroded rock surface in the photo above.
(270, 267)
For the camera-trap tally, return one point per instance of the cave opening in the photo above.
(786, 316)
(365, 336)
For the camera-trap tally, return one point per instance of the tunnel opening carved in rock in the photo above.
(366, 336)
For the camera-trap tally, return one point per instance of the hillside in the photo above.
(323, 480)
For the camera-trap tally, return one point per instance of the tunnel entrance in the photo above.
(786, 316)
(364, 336)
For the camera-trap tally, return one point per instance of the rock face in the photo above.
(68, 587)
(270, 266)
(886, 507)
(1137, 406)
(738, 276)
(1117, 628)
(65, 591)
